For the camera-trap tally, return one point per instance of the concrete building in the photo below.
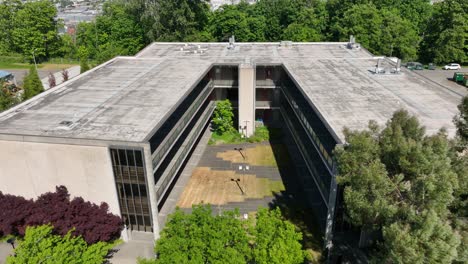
(121, 132)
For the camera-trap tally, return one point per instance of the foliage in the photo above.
(84, 66)
(236, 20)
(461, 121)
(276, 240)
(381, 31)
(223, 117)
(428, 240)
(384, 27)
(7, 98)
(446, 39)
(200, 237)
(32, 85)
(35, 30)
(13, 212)
(52, 81)
(65, 75)
(40, 245)
(88, 220)
(402, 182)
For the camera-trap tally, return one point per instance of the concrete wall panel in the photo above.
(247, 99)
(30, 169)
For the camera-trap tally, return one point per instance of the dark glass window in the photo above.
(132, 190)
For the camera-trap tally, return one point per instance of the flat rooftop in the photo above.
(126, 98)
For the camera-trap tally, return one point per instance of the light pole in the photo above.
(243, 170)
(34, 58)
(240, 151)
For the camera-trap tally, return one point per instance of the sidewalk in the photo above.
(5, 251)
(72, 73)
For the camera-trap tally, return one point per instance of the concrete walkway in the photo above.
(72, 73)
(171, 201)
(5, 251)
(141, 245)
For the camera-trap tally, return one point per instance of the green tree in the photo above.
(223, 117)
(401, 182)
(8, 11)
(446, 36)
(370, 194)
(200, 237)
(176, 20)
(35, 29)
(382, 31)
(428, 240)
(115, 32)
(32, 85)
(460, 164)
(276, 240)
(41, 246)
(461, 121)
(84, 66)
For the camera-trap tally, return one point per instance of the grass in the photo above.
(258, 155)
(44, 66)
(230, 137)
(262, 133)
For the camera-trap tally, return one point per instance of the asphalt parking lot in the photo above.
(444, 78)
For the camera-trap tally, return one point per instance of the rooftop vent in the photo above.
(232, 41)
(378, 68)
(397, 68)
(286, 43)
(352, 43)
(65, 125)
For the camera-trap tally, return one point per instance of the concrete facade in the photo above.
(31, 169)
(247, 99)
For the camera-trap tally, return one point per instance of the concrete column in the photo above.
(152, 191)
(247, 99)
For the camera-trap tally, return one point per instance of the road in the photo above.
(444, 78)
(44, 73)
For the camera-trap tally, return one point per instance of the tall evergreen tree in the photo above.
(32, 84)
(402, 182)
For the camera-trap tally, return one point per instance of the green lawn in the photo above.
(262, 134)
(44, 66)
(15, 65)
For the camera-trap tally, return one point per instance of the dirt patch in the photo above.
(262, 155)
(220, 187)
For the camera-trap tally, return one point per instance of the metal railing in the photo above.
(312, 134)
(162, 150)
(169, 174)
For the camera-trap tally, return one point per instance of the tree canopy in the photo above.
(223, 117)
(200, 237)
(398, 180)
(40, 245)
(409, 29)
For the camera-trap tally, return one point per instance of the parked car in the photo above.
(412, 65)
(452, 66)
(431, 66)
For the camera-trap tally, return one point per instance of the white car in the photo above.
(452, 66)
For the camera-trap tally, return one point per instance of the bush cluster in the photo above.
(93, 222)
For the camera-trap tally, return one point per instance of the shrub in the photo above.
(13, 212)
(223, 117)
(94, 223)
(40, 245)
(32, 84)
(52, 81)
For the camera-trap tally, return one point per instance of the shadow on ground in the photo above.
(291, 201)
